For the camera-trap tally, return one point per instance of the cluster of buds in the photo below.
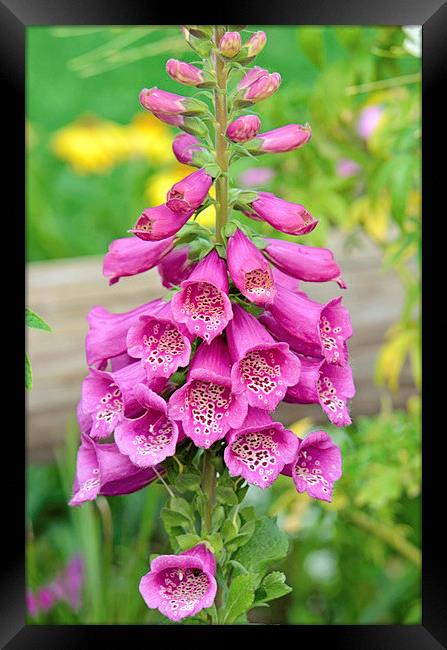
(202, 373)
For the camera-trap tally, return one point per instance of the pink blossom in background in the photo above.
(346, 168)
(256, 176)
(369, 120)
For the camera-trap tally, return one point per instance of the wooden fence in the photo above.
(63, 291)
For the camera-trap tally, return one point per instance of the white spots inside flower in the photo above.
(156, 440)
(208, 404)
(259, 371)
(258, 451)
(331, 344)
(110, 406)
(331, 403)
(203, 302)
(89, 485)
(258, 284)
(164, 344)
(183, 589)
(310, 472)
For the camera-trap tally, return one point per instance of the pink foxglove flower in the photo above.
(262, 88)
(283, 139)
(262, 367)
(162, 344)
(243, 128)
(181, 585)
(130, 256)
(259, 449)
(205, 404)
(103, 469)
(160, 222)
(317, 466)
(307, 263)
(107, 333)
(188, 194)
(310, 327)
(255, 44)
(203, 304)
(188, 150)
(327, 384)
(175, 267)
(256, 176)
(32, 604)
(161, 101)
(369, 120)
(187, 74)
(291, 218)
(346, 168)
(249, 270)
(230, 44)
(251, 76)
(72, 582)
(150, 438)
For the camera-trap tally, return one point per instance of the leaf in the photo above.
(187, 482)
(28, 373)
(240, 597)
(350, 37)
(217, 517)
(181, 506)
(244, 535)
(311, 41)
(267, 545)
(33, 320)
(229, 530)
(273, 586)
(226, 495)
(173, 519)
(187, 541)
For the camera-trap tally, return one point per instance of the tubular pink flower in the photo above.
(205, 404)
(72, 582)
(160, 101)
(286, 138)
(185, 73)
(256, 176)
(106, 336)
(203, 304)
(160, 343)
(307, 263)
(259, 449)
(309, 327)
(130, 256)
(175, 267)
(255, 44)
(262, 88)
(252, 75)
(32, 606)
(243, 128)
(249, 270)
(188, 194)
(327, 384)
(181, 585)
(150, 438)
(160, 222)
(46, 599)
(188, 150)
(317, 466)
(103, 469)
(285, 280)
(262, 369)
(230, 44)
(291, 218)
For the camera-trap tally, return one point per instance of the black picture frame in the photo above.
(15, 17)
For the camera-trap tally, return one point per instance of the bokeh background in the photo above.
(94, 161)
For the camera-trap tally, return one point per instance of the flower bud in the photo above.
(230, 44)
(189, 193)
(252, 47)
(252, 75)
(202, 47)
(286, 138)
(161, 101)
(262, 88)
(188, 150)
(244, 128)
(187, 74)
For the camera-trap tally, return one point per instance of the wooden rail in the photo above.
(63, 291)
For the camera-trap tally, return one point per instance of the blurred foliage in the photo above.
(95, 161)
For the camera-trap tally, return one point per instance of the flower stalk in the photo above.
(222, 153)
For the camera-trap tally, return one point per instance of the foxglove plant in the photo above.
(183, 390)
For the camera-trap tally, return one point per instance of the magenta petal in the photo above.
(147, 440)
(249, 269)
(203, 304)
(175, 267)
(317, 466)
(291, 218)
(188, 194)
(102, 399)
(307, 263)
(130, 256)
(335, 329)
(106, 337)
(159, 343)
(207, 558)
(259, 450)
(158, 223)
(205, 404)
(263, 368)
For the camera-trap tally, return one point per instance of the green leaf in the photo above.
(273, 586)
(244, 536)
(226, 495)
(28, 373)
(187, 482)
(173, 519)
(240, 598)
(267, 545)
(350, 37)
(239, 567)
(217, 517)
(311, 41)
(229, 530)
(182, 507)
(212, 169)
(187, 541)
(33, 320)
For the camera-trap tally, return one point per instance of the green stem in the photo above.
(222, 153)
(209, 488)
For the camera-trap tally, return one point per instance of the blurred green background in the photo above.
(95, 160)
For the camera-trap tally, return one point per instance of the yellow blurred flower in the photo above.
(373, 215)
(147, 136)
(301, 427)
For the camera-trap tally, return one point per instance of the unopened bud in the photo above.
(230, 44)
